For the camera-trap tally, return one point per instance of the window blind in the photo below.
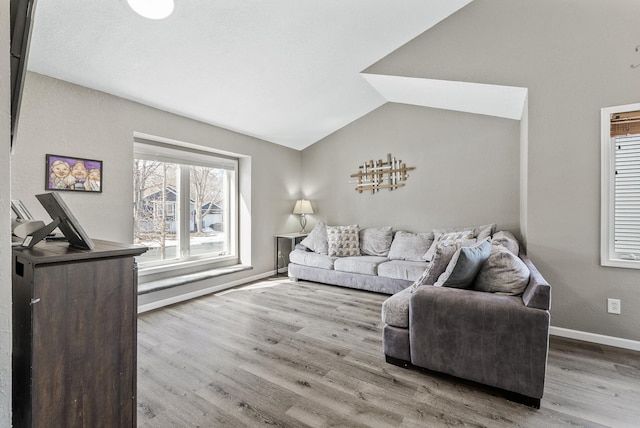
(627, 197)
(623, 124)
(144, 149)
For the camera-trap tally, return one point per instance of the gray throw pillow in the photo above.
(441, 259)
(317, 241)
(376, 241)
(503, 273)
(507, 240)
(465, 265)
(485, 231)
(410, 246)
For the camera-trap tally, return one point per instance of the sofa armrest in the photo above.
(538, 291)
(488, 338)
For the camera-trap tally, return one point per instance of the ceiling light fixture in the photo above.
(152, 9)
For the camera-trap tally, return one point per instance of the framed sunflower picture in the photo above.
(73, 174)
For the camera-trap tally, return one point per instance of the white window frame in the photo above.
(608, 255)
(188, 155)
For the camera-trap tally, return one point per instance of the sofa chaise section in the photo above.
(497, 340)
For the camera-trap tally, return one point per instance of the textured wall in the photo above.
(5, 209)
(575, 57)
(467, 170)
(65, 119)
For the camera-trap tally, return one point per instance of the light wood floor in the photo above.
(301, 354)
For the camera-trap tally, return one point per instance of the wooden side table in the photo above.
(293, 238)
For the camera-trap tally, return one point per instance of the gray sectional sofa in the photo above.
(493, 339)
(465, 302)
(384, 261)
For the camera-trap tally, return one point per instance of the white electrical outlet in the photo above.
(613, 306)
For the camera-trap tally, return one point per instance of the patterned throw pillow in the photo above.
(343, 240)
(446, 239)
(421, 279)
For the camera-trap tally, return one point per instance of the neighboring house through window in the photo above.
(185, 206)
(620, 229)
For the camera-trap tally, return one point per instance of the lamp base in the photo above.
(303, 223)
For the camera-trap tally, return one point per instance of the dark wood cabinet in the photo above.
(74, 335)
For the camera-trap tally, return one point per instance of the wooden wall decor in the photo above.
(376, 175)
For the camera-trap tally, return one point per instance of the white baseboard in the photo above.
(181, 298)
(618, 342)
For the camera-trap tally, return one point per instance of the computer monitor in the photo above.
(62, 219)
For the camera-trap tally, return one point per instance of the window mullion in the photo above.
(184, 211)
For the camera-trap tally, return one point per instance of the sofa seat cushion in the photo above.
(402, 269)
(395, 310)
(365, 265)
(307, 258)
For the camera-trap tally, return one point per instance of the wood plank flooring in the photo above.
(302, 354)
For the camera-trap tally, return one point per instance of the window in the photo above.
(185, 206)
(620, 229)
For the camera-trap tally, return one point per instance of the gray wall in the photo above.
(62, 118)
(575, 57)
(467, 170)
(5, 196)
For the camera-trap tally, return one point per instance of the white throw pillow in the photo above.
(317, 241)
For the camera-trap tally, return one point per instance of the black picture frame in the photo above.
(68, 173)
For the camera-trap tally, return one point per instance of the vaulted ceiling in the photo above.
(285, 71)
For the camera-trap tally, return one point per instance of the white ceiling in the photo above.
(285, 71)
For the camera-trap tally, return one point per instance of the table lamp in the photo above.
(303, 207)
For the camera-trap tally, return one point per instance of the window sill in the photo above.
(621, 263)
(185, 266)
(178, 280)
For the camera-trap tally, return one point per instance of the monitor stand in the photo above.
(40, 234)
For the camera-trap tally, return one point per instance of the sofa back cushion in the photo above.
(410, 246)
(376, 241)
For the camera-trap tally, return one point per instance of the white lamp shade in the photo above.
(303, 206)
